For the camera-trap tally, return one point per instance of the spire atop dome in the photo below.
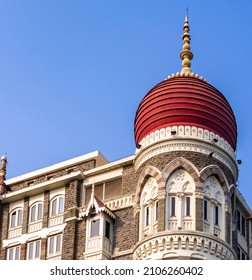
(186, 55)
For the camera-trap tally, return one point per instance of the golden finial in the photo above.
(186, 55)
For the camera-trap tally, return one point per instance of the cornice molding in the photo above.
(189, 145)
(186, 132)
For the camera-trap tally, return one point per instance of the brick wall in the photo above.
(199, 160)
(124, 230)
(80, 236)
(78, 167)
(129, 180)
(68, 248)
(72, 191)
(4, 228)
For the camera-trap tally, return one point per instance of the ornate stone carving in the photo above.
(183, 243)
(150, 190)
(199, 194)
(180, 144)
(227, 208)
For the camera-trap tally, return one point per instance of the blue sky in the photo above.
(73, 72)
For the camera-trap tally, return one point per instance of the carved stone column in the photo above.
(179, 210)
(199, 208)
(161, 209)
(228, 223)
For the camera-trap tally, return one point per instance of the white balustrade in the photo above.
(183, 243)
(14, 232)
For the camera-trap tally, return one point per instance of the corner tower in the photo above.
(186, 134)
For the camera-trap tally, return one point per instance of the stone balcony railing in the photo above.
(55, 220)
(35, 226)
(183, 245)
(99, 243)
(14, 232)
(114, 204)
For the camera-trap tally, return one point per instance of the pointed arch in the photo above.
(149, 171)
(180, 200)
(216, 196)
(180, 163)
(216, 171)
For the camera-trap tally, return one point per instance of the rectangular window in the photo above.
(30, 251)
(33, 250)
(54, 245)
(58, 243)
(39, 211)
(51, 245)
(10, 254)
(107, 229)
(173, 201)
(61, 205)
(156, 211)
(13, 219)
(13, 253)
(188, 206)
(37, 250)
(242, 225)
(238, 220)
(95, 228)
(238, 253)
(54, 208)
(33, 213)
(216, 215)
(19, 218)
(147, 215)
(205, 210)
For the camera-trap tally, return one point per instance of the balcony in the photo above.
(14, 232)
(34, 226)
(98, 248)
(55, 220)
(183, 245)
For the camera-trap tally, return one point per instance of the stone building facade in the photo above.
(175, 198)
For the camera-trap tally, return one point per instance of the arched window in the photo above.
(180, 202)
(16, 217)
(57, 206)
(36, 212)
(149, 208)
(213, 212)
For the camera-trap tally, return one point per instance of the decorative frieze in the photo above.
(186, 132)
(183, 243)
(119, 203)
(227, 208)
(180, 144)
(199, 194)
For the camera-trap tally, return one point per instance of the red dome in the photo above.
(185, 101)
